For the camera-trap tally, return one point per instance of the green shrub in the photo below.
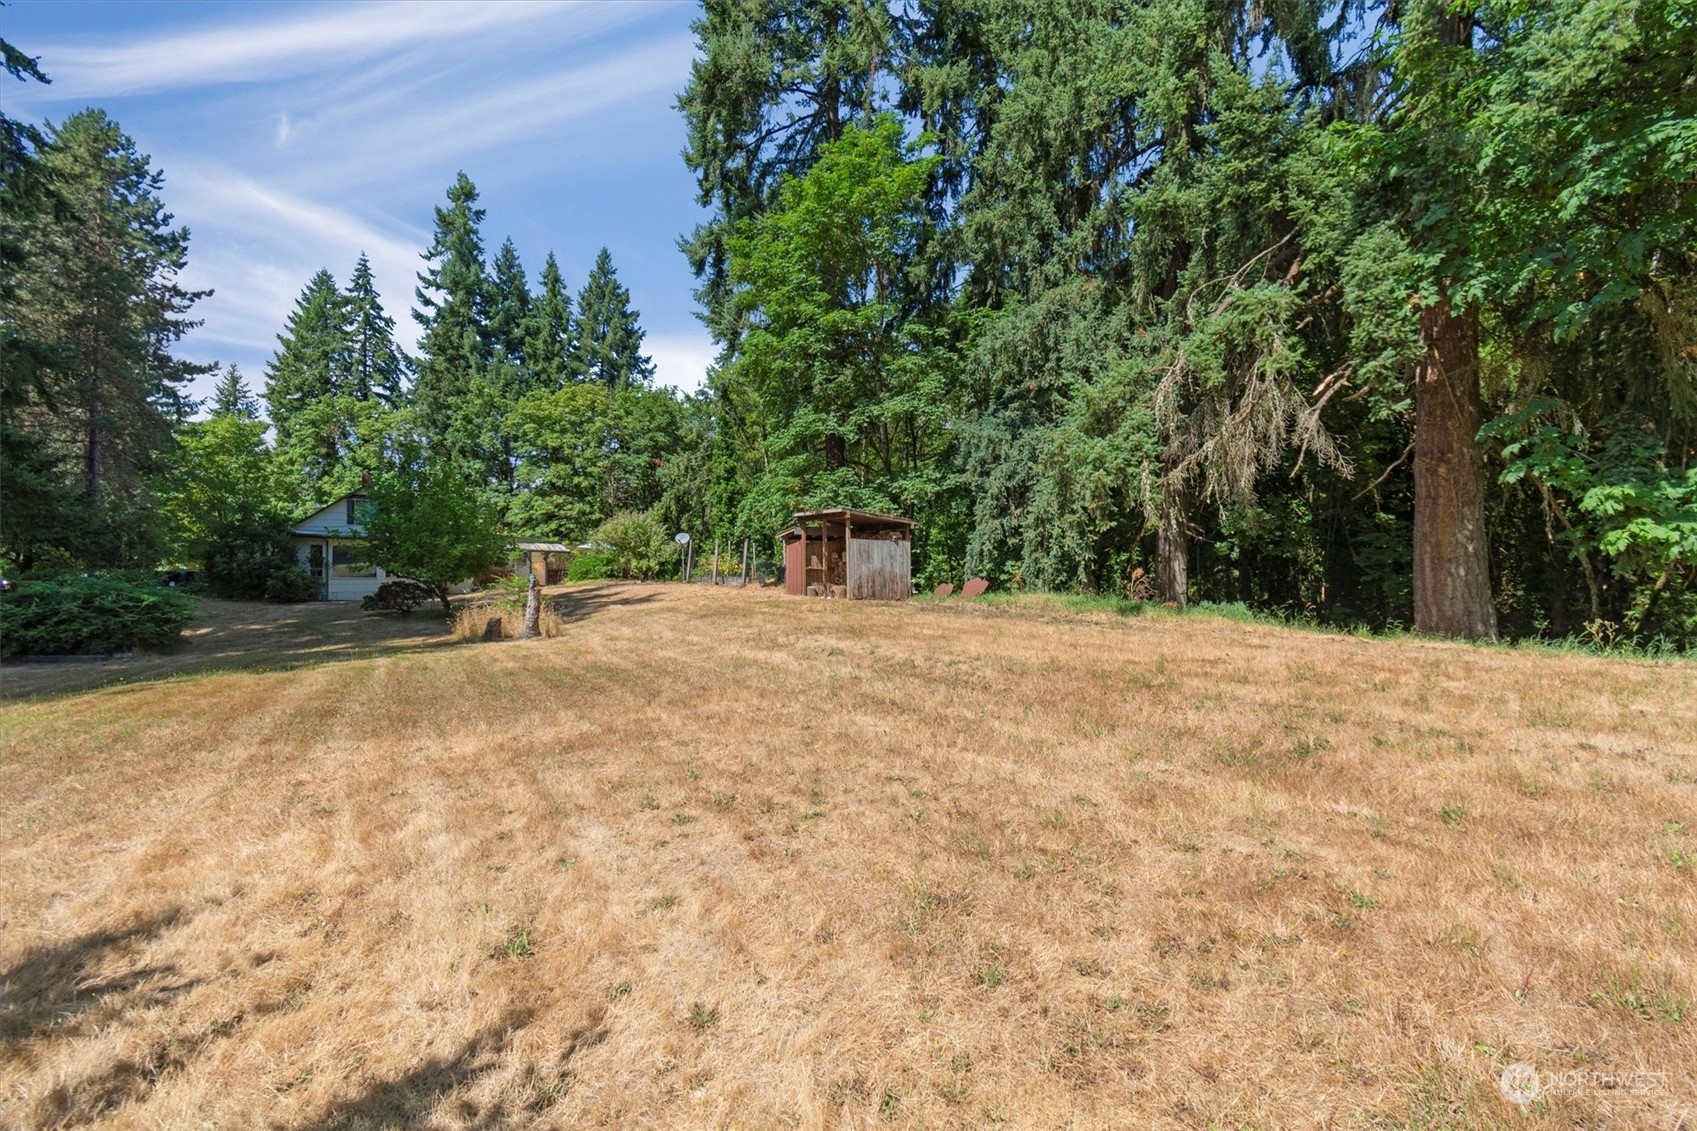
(286, 586)
(396, 597)
(244, 555)
(638, 544)
(89, 616)
(429, 523)
(595, 565)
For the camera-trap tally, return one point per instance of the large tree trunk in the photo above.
(1172, 549)
(1452, 576)
(91, 461)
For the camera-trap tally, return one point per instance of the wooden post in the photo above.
(848, 533)
(745, 562)
(715, 561)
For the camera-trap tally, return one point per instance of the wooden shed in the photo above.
(855, 554)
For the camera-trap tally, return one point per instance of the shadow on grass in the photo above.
(409, 1099)
(47, 992)
(581, 604)
(448, 1086)
(255, 636)
(51, 997)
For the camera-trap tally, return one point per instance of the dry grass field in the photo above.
(720, 859)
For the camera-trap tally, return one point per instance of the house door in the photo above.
(315, 566)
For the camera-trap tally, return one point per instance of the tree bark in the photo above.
(532, 611)
(1452, 574)
(1172, 550)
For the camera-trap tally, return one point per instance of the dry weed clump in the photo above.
(711, 858)
(472, 621)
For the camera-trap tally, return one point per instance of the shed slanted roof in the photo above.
(871, 518)
(542, 547)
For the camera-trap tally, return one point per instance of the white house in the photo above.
(326, 545)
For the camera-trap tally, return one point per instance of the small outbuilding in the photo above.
(546, 560)
(859, 555)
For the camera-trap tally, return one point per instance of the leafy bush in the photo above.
(396, 597)
(429, 523)
(286, 586)
(592, 566)
(89, 616)
(510, 591)
(638, 544)
(243, 557)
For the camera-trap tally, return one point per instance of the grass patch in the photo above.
(1032, 868)
(517, 944)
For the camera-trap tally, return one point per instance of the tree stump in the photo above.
(492, 630)
(532, 611)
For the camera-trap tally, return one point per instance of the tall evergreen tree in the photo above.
(376, 366)
(313, 362)
(509, 307)
(841, 379)
(548, 345)
(331, 386)
(98, 290)
(1452, 576)
(609, 336)
(775, 81)
(233, 398)
(452, 311)
(36, 493)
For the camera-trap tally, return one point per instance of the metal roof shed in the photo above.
(860, 555)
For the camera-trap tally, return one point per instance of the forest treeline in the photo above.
(1377, 314)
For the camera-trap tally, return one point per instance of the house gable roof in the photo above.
(330, 519)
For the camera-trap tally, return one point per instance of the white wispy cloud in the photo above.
(317, 38)
(681, 360)
(369, 144)
(244, 204)
(255, 245)
(295, 141)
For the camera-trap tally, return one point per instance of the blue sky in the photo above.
(292, 136)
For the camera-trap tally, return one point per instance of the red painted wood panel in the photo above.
(795, 571)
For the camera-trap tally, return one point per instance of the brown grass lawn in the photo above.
(715, 859)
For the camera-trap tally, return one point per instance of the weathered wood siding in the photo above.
(795, 570)
(879, 569)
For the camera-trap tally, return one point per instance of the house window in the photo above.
(345, 562)
(358, 511)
